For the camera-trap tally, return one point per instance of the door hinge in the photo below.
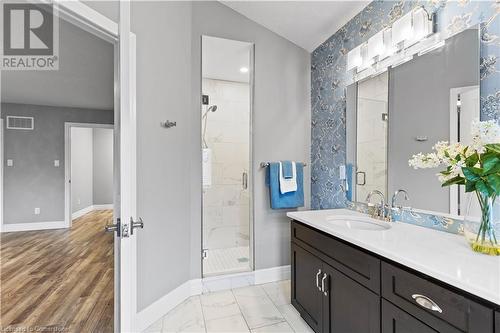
(204, 253)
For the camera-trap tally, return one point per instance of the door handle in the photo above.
(114, 227)
(317, 279)
(325, 276)
(139, 224)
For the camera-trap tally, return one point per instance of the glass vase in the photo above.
(482, 223)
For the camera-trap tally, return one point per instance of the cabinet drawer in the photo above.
(358, 265)
(395, 320)
(405, 290)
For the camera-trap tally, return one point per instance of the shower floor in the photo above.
(228, 260)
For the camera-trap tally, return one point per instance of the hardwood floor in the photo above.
(58, 280)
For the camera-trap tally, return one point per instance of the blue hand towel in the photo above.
(287, 169)
(286, 200)
(349, 176)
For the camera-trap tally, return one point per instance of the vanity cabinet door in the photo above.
(497, 322)
(306, 296)
(347, 305)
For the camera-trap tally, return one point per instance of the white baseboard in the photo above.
(103, 207)
(158, 309)
(86, 210)
(81, 212)
(272, 274)
(161, 307)
(33, 226)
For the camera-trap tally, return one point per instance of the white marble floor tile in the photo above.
(260, 309)
(156, 327)
(261, 315)
(282, 327)
(257, 307)
(219, 305)
(187, 317)
(293, 318)
(279, 292)
(250, 291)
(232, 324)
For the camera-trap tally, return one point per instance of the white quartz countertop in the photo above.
(444, 256)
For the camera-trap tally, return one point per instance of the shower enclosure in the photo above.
(226, 155)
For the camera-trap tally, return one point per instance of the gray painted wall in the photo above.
(82, 175)
(163, 30)
(281, 123)
(84, 78)
(34, 181)
(419, 99)
(102, 166)
(169, 161)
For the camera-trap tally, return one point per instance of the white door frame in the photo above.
(1, 169)
(68, 211)
(94, 22)
(454, 193)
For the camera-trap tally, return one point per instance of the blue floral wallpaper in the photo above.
(329, 80)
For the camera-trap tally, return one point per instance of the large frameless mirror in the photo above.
(408, 109)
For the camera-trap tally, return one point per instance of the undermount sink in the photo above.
(357, 222)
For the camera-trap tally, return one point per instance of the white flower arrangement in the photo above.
(477, 167)
(456, 156)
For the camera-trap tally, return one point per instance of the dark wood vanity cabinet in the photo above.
(306, 295)
(328, 300)
(339, 288)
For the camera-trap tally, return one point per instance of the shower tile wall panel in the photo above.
(226, 203)
(329, 79)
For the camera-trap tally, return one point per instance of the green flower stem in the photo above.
(485, 229)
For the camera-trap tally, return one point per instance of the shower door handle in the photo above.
(244, 180)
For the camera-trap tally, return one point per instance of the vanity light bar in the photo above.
(407, 31)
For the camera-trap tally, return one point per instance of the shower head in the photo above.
(212, 108)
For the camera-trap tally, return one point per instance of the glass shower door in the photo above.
(225, 131)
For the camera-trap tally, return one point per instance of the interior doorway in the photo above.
(57, 270)
(89, 173)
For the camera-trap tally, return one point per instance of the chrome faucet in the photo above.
(393, 202)
(395, 196)
(380, 208)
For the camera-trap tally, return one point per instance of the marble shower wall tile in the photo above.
(329, 79)
(226, 204)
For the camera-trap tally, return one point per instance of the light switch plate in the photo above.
(56, 163)
(342, 172)
(37, 211)
(10, 163)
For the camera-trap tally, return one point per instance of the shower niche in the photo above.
(226, 155)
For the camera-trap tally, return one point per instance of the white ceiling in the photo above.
(305, 23)
(84, 79)
(222, 59)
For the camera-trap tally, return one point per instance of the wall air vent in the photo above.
(20, 123)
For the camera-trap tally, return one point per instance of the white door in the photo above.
(128, 219)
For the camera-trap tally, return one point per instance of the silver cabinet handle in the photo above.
(317, 279)
(323, 284)
(426, 303)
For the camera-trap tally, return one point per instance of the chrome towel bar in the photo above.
(266, 164)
